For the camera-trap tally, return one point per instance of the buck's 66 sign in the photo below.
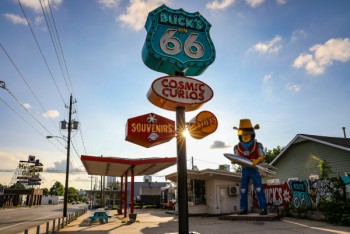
(177, 42)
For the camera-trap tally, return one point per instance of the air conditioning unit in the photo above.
(233, 190)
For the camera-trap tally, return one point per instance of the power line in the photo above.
(21, 117)
(63, 58)
(26, 109)
(41, 52)
(53, 32)
(24, 80)
(49, 27)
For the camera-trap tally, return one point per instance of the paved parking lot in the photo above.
(155, 221)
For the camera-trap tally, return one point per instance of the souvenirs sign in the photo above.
(169, 92)
(177, 42)
(149, 130)
(202, 125)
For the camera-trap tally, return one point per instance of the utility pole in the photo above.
(65, 202)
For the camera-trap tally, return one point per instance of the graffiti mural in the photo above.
(278, 194)
(321, 189)
(299, 190)
(302, 193)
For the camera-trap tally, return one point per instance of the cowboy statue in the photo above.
(249, 148)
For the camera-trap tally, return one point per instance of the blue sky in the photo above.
(283, 64)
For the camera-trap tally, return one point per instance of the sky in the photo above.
(283, 64)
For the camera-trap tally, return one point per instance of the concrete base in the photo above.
(250, 217)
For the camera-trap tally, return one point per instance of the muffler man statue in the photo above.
(249, 148)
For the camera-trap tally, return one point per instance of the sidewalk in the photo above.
(156, 221)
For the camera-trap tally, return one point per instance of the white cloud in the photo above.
(298, 34)
(219, 145)
(294, 87)
(323, 56)
(254, 3)
(220, 5)
(281, 2)
(15, 19)
(39, 20)
(27, 106)
(109, 3)
(136, 14)
(51, 114)
(35, 5)
(267, 77)
(271, 46)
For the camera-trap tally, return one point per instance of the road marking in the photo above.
(26, 222)
(317, 228)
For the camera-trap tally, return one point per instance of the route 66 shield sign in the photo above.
(177, 42)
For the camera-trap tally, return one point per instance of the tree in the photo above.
(73, 194)
(270, 155)
(239, 169)
(17, 186)
(2, 186)
(46, 191)
(325, 169)
(57, 189)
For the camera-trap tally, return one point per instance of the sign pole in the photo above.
(181, 170)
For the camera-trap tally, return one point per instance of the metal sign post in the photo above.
(181, 170)
(178, 44)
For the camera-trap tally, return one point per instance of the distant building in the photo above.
(110, 181)
(52, 200)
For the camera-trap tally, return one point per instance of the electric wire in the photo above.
(66, 68)
(21, 117)
(25, 81)
(59, 43)
(60, 47)
(49, 27)
(41, 52)
(26, 109)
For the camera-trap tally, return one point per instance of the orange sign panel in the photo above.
(202, 125)
(169, 92)
(149, 130)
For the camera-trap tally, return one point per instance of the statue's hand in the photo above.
(257, 161)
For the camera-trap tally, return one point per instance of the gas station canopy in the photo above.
(114, 166)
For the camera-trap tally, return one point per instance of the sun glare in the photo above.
(186, 133)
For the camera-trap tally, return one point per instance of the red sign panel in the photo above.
(278, 194)
(169, 92)
(149, 130)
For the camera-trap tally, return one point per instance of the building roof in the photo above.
(336, 142)
(206, 175)
(113, 166)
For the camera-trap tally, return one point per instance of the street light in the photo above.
(65, 199)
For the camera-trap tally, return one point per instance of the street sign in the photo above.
(177, 42)
(202, 125)
(149, 130)
(169, 92)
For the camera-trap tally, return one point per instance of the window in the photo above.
(196, 192)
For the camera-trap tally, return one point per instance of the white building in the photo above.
(52, 200)
(212, 191)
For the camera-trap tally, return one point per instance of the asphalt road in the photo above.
(16, 220)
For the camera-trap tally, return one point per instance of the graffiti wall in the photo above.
(300, 193)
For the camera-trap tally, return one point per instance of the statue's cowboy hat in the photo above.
(245, 125)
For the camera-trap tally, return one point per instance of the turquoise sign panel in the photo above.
(177, 42)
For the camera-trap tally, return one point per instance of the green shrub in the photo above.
(337, 208)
